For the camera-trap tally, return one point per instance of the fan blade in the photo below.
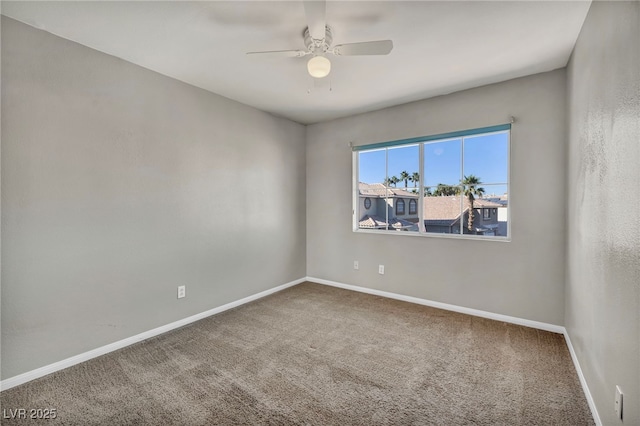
(281, 53)
(316, 18)
(380, 47)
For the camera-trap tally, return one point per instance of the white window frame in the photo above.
(421, 141)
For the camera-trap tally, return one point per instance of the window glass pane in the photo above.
(441, 190)
(442, 209)
(372, 166)
(399, 217)
(442, 162)
(372, 193)
(403, 165)
(486, 157)
(386, 213)
(493, 191)
(373, 217)
(495, 218)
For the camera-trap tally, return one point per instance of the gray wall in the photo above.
(603, 273)
(523, 278)
(118, 185)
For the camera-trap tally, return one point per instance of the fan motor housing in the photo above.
(323, 44)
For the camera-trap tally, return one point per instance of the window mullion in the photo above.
(421, 228)
(356, 191)
(386, 190)
(462, 224)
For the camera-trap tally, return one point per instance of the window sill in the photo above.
(434, 235)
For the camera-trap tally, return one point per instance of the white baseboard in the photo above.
(475, 312)
(484, 314)
(583, 381)
(65, 363)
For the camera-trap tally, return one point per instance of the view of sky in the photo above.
(485, 156)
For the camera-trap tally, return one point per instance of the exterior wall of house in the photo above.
(503, 218)
(112, 181)
(406, 215)
(380, 205)
(491, 222)
(371, 211)
(420, 266)
(603, 274)
(389, 205)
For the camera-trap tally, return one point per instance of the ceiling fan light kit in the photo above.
(318, 38)
(319, 67)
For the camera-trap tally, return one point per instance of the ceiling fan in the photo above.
(318, 38)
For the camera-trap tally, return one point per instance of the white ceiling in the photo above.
(439, 47)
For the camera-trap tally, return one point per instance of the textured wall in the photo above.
(522, 278)
(603, 274)
(118, 185)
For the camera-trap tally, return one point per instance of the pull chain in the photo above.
(313, 84)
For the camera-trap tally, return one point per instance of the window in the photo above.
(367, 203)
(413, 206)
(448, 181)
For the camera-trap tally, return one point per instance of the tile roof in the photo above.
(487, 204)
(377, 222)
(445, 210)
(503, 200)
(380, 191)
(442, 210)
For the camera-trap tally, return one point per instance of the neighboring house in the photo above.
(503, 215)
(378, 202)
(442, 215)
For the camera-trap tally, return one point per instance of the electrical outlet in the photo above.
(356, 266)
(381, 269)
(182, 291)
(619, 402)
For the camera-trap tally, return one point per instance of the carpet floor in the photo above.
(318, 355)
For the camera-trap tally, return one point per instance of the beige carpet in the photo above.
(323, 356)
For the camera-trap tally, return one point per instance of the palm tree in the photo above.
(388, 181)
(405, 176)
(443, 190)
(415, 178)
(470, 187)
